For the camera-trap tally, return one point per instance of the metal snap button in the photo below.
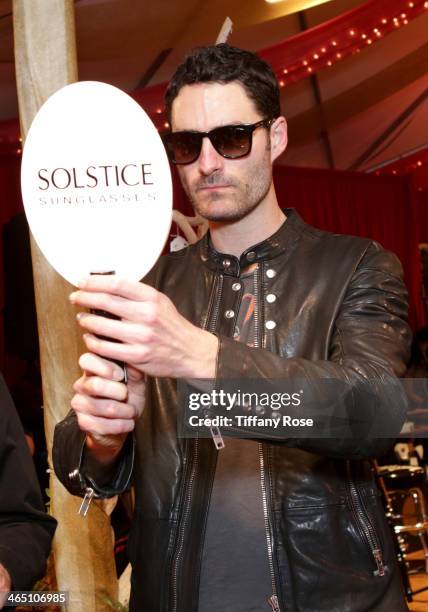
(271, 297)
(236, 286)
(270, 273)
(226, 263)
(270, 324)
(251, 256)
(229, 314)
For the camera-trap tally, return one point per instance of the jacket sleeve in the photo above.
(77, 472)
(75, 469)
(26, 530)
(368, 351)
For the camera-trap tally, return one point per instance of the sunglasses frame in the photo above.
(248, 128)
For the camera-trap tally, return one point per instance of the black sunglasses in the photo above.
(230, 141)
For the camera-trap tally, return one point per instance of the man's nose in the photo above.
(209, 160)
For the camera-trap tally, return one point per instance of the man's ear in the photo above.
(278, 138)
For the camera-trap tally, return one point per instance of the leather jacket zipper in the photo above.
(186, 498)
(210, 325)
(257, 285)
(273, 599)
(366, 528)
(212, 317)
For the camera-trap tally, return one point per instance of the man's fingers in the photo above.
(94, 364)
(103, 426)
(135, 375)
(96, 386)
(124, 331)
(105, 408)
(128, 353)
(114, 285)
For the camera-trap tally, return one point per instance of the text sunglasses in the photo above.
(230, 141)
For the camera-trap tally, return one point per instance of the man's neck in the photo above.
(237, 236)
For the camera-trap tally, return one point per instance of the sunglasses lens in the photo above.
(183, 147)
(232, 141)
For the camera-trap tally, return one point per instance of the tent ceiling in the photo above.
(130, 43)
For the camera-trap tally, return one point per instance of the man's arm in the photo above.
(369, 342)
(369, 349)
(94, 445)
(26, 530)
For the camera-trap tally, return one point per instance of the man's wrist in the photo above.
(204, 360)
(103, 450)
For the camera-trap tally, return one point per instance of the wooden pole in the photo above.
(45, 59)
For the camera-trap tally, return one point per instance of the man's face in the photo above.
(222, 189)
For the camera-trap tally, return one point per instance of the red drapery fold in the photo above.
(300, 55)
(323, 45)
(317, 48)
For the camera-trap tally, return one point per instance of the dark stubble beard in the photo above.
(246, 195)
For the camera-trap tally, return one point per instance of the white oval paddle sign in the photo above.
(96, 183)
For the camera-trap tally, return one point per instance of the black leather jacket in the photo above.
(339, 312)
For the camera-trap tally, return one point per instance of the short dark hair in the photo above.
(224, 64)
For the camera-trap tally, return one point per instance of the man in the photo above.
(286, 524)
(26, 531)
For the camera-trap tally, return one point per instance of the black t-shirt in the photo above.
(235, 573)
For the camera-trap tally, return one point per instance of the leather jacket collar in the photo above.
(279, 243)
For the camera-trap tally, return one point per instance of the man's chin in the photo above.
(221, 209)
(219, 215)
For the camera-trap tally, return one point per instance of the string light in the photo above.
(419, 164)
(166, 124)
(342, 49)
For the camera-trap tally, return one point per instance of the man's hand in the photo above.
(154, 337)
(107, 409)
(5, 584)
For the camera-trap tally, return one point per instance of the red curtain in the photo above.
(379, 207)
